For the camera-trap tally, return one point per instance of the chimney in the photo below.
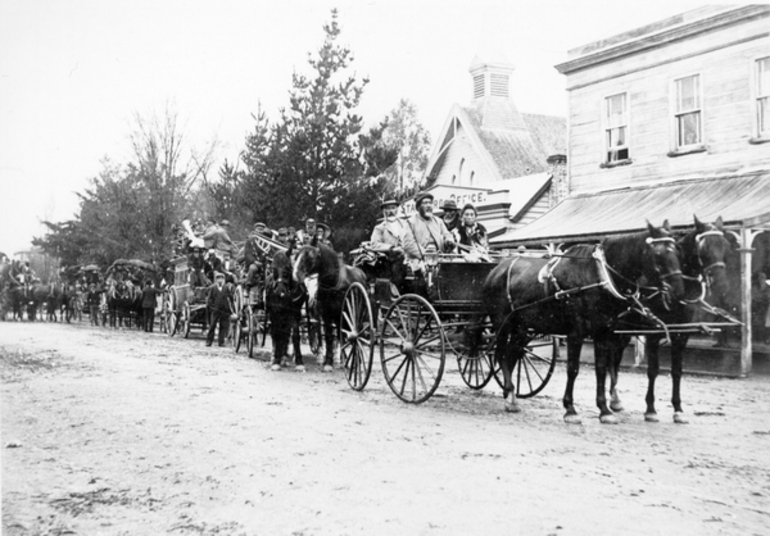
(557, 166)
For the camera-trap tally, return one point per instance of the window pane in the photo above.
(763, 116)
(616, 137)
(616, 109)
(763, 77)
(687, 94)
(689, 129)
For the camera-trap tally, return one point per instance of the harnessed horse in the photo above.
(334, 279)
(285, 297)
(580, 294)
(702, 252)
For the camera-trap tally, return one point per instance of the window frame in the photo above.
(758, 136)
(675, 114)
(607, 127)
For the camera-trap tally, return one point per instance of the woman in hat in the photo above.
(472, 234)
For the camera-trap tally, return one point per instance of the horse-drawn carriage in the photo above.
(123, 296)
(505, 319)
(184, 304)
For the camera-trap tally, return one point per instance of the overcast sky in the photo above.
(73, 72)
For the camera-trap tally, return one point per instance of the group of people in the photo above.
(423, 233)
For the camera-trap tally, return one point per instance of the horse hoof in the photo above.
(608, 419)
(300, 368)
(572, 419)
(651, 417)
(328, 368)
(512, 407)
(275, 367)
(616, 406)
(679, 418)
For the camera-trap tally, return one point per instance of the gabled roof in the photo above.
(511, 144)
(741, 200)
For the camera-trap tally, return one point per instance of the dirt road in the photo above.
(117, 432)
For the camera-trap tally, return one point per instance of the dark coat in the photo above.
(218, 301)
(150, 297)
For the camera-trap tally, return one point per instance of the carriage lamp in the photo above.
(431, 256)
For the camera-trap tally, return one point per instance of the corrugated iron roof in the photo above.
(738, 199)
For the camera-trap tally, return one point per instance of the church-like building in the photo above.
(491, 155)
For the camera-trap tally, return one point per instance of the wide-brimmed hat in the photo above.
(225, 223)
(421, 196)
(260, 224)
(449, 204)
(326, 229)
(389, 202)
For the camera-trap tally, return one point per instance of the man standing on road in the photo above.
(93, 300)
(218, 306)
(149, 303)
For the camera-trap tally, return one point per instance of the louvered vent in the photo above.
(478, 86)
(499, 85)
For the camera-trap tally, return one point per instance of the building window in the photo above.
(460, 171)
(616, 128)
(473, 176)
(687, 115)
(763, 98)
(454, 179)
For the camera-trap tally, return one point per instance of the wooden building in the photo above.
(666, 121)
(493, 156)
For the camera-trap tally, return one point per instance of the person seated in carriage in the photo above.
(323, 234)
(254, 282)
(283, 236)
(384, 253)
(212, 265)
(472, 237)
(451, 216)
(306, 235)
(197, 265)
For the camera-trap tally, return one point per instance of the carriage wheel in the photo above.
(357, 332)
(412, 348)
(476, 365)
(251, 325)
(171, 317)
(186, 320)
(237, 332)
(531, 373)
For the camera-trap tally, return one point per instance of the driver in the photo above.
(388, 235)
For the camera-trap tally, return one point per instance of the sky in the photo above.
(73, 73)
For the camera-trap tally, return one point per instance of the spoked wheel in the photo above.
(186, 321)
(237, 333)
(412, 349)
(251, 326)
(357, 332)
(171, 317)
(531, 373)
(476, 365)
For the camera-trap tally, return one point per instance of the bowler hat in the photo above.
(388, 203)
(421, 196)
(449, 204)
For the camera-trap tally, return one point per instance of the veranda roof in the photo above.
(742, 200)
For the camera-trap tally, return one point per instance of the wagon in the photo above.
(184, 305)
(415, 331)
(250, 324)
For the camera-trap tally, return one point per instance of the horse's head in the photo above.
(662, 266)
(308, 262)
(704, 253)
(281, 271)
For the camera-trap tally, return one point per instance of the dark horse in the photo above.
(703, 252)
(285, 297)
(334, 279)
(123, 303)
(580, 294)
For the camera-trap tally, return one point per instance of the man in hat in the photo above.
(219, 306)
(197, 268)
(425, 232)
(213, 264)
(283, 236)
(388, 235)
(451, 215)
(306, 235)
(149, 304)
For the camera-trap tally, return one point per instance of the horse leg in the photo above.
(602, 355)
(616, 356)
(329, 341)
(574, 346)
(295, 340)
(678, 345)
(506, 359)
(653, 367)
